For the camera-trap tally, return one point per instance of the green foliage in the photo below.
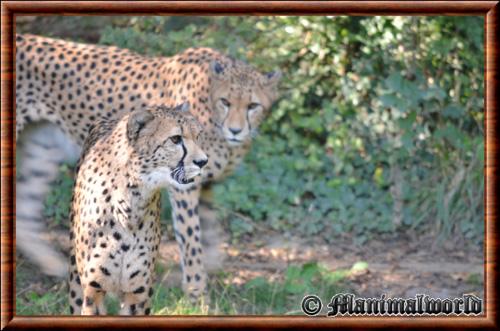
(57, 203)
(290, 200)
(167, 36)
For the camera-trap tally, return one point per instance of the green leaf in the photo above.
(453, 111)
(394, 82)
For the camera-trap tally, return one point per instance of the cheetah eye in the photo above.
(225, 102)
(253, 106)
(176, 139)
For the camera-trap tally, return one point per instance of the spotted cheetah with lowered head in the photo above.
(65, 87)
(115, 212)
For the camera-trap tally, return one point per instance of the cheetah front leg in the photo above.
(188, 235)
(93, 302)
(84, 299)
(75, 287)
(137, 302)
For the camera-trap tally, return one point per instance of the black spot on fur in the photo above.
(95, 284)
(135, 273)
(105, 271)
(139, 290)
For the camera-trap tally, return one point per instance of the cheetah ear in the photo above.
(183, 107)
(136, 122)
(271, 79)
(217, 70)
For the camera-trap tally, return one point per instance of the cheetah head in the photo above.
(241, 97)
(165, 141)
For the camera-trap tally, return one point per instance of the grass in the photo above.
(258, 296)
(38, 294)
(53, 302)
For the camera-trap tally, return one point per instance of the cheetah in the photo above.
(115, 212)
(70, 86)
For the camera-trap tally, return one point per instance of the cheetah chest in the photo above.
(123, 251)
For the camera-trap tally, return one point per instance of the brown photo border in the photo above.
(487, 9)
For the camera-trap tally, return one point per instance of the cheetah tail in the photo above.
(40, 151)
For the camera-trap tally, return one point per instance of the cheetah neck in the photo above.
(133, 201)
(130, 192)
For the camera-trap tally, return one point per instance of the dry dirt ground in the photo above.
(396, 267)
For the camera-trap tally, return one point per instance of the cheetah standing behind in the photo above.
(115, 212)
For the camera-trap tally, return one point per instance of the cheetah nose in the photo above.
(200, 163)
(234, 131)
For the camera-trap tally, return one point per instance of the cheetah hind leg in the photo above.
(214, 237)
